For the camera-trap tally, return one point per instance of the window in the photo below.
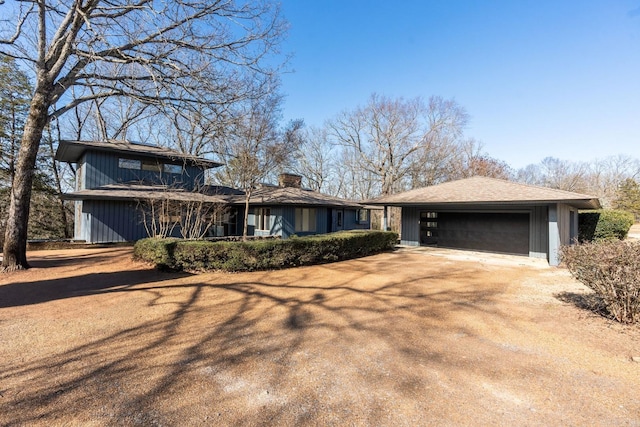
(263, 218)
(150, 165)
(431, 215)
(305, 219)
(129, 164)
(339, 219)
(177, 169)
(362, 216)
(168, 219)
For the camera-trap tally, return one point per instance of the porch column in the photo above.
(554, 236)
(385, 221)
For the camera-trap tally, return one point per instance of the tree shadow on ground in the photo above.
(36, 292)
(240, 342)
(589, 302)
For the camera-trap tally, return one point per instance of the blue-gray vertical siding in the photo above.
(321, 220)
(565, 212)
(288, 221)
(410, 228)
(538, 232)
(554, 235)
(111, 221)
(102, 169)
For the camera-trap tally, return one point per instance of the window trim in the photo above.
(359, 216)
(311, 225)
(262, 219)
(132, 164)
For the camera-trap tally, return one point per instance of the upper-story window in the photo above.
(150, 165)
(129, 164)
(173, 168)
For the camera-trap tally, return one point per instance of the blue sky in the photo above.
(538, 78)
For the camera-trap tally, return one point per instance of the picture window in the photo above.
(263, 218)
(305, 220)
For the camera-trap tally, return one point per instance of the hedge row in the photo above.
(611, 269)
(604, 225)
(175, 254)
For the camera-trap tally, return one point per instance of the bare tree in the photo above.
(254, 148)
(608, 174)
(154, 51)
(392, 138)
(315, 158)
(600, 177)
(470, 160)
(159, 216)
(192, 214)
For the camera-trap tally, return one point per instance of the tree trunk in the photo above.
(15, 239)
(245, 226)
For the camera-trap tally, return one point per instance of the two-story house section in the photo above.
(112, 177)
(115, 179)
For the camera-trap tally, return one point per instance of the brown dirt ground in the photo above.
(413, 337)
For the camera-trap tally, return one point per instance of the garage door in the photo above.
(493, 232)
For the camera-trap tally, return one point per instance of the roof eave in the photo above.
(578, 203)
(72, 151)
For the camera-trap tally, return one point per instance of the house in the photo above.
(288, 209)
(117, 181)
(493, 215)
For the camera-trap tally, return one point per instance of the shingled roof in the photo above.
(272, 195)
(267, 195)
(135, 191)
(482, 190)
(71, 151)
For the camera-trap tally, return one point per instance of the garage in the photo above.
(492, 232)
(488, 214)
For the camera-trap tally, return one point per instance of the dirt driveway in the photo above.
(89, 337)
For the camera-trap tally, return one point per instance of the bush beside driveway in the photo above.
(90, 337)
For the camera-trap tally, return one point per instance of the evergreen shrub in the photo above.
(190, 255)
(603, 224)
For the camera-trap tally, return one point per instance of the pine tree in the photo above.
(15, 94)
(628, 197)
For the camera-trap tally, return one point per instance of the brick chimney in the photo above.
(289, 180)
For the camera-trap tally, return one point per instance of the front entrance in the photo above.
(428, 228)
(335, 220)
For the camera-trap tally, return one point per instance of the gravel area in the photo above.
(412, 337)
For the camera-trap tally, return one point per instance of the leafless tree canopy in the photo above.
(173, 55)
(601, 177)
(255, 148)
(152, 51)
(393, 139)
